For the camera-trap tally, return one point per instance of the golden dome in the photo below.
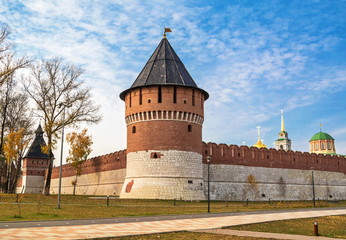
(259, 144)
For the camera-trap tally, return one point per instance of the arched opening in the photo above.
(189, 128)
(281, 147)
(134, 129)
(155, 155)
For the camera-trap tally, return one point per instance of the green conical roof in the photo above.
(321, 136)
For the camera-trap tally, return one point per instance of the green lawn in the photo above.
(331, 226)
(39, 207)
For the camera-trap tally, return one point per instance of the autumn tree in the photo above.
(9, 64)
(61, 100)
(15, 144)
(80, 148)
(15, 114)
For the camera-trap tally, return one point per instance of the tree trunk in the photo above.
(16, 174)
(74, 186)
(50, 168)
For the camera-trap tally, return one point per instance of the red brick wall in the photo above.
(112, 161)
(34, 166)
(252, 156)
(164, 134)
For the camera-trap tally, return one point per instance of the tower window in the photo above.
(328, 146)
(149, 100)
(185, 101)
(193, 97)
(316, 146)
(322, 146)
(130, 100)
(155, 155)
(281, 147)
(134, 129)
(159, 95)
(189, 128)
(140, 96)
(175, 94)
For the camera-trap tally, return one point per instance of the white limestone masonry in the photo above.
(238, 183)
(173, 174)
(31, 184)
(99, 183)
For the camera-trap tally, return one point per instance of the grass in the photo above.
(331, 226)
(39, 207)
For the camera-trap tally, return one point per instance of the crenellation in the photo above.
(252, 156)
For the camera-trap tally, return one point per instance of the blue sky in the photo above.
(253, 57)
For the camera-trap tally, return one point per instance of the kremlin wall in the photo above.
(166, 157)
(236, 173)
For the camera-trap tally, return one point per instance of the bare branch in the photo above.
(52, 83)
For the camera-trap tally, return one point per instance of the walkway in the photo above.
(142, 225)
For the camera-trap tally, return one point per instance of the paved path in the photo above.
(264, 235)
(142, 225)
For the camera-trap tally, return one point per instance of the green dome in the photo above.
(321, 136)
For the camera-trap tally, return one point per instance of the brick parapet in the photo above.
(272, 158)
(112, 161)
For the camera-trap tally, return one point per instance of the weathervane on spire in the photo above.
(166, 30)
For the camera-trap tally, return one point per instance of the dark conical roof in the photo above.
(164, 67)
(35, 150)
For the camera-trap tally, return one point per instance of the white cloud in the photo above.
(251, 67)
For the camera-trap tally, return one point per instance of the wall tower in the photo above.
(35, 164)
(164, 115)
(283, 142)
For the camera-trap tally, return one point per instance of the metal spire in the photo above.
(282, 121)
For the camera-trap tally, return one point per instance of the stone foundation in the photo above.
(238, 183)
(164, 175)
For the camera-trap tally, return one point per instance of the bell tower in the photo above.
(164, 115)
(283, 142)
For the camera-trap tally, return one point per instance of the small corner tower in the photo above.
(322, 143)
(164, 115)
(35, 164)
(283, 142)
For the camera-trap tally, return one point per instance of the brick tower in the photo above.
(35, 163)
(164, 116)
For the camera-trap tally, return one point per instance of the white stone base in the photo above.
(175, 174)
(31, 184)
(230, 182)
(99, 183)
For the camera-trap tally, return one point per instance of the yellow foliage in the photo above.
(14, 144)
(80, 148)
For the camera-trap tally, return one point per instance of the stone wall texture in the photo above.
(159, 174)
(238, 183)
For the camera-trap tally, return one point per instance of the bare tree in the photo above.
(9, 64)
(14, 115)
(51, 85)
